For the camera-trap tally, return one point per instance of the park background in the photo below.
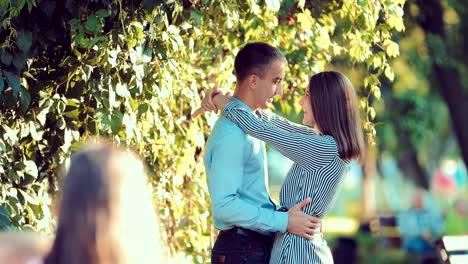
(135, 71)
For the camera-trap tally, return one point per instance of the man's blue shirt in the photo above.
(237, 179)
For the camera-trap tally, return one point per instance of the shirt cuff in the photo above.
(281, 221)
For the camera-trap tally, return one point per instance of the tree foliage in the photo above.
(424, 111)
(133, 70)
(445, 40)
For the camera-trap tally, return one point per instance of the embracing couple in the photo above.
(253, 229)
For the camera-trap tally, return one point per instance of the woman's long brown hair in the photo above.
(336, 113)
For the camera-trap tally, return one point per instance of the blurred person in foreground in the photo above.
(106, 213)
(23, 247)
(420, 227)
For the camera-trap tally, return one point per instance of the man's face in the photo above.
(269, 86)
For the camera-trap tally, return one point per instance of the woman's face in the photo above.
(307, 108)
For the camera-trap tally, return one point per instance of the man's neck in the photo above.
(241, 95)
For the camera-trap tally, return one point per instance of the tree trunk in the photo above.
(368, 189)
(407, 154)
(445, 72)
(408, 161)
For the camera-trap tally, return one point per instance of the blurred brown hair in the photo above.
(336, 113)
(106, 214)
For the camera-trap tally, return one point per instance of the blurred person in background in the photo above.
(106, 213)
(420, 227)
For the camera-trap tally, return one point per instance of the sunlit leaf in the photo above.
(67, 138)
(273, 5)
(36, 135)
(377, 61)
(391, 48)
(30, 198)
(376, 92)
(389, 73)
(31, 168)
(2, 147)
(396, 22)
(11, 134)
(305, 20)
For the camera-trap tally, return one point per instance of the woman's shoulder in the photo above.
(327, 143)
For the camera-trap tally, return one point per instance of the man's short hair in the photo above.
(255, 58)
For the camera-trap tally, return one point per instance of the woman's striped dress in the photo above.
(317, 172)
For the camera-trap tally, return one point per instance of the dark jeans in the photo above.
(241, 246)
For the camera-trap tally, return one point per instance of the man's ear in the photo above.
(252, 80)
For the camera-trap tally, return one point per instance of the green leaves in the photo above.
(24, 100)
(92, 25)
(391, 48)
(6, 57)
(86, 34)
(396, 22)
(24, 40)
(2, 84)
(102, 13)
(14, 82)
(5, 222)
(19, 60)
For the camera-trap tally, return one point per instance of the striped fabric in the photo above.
(317, 172)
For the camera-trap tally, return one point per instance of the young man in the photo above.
(236, 169)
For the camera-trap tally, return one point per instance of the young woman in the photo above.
(106, 213)
(321, 151)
